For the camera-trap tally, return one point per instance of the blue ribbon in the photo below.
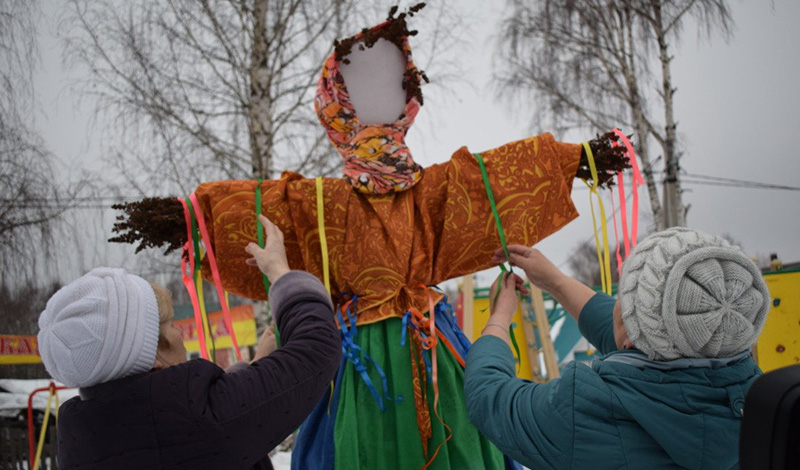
(444, 309)
(406, 316)
(425, 352)
(353, 352)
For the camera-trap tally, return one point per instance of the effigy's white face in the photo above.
(374, 79)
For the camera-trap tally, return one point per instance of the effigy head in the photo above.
(376, 157)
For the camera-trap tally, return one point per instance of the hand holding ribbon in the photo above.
(271, 259)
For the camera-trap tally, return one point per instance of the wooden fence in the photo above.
(14, 444)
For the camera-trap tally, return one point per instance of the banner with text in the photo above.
(19, 349)
(244, 324)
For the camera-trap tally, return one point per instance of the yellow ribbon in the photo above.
(53, 393)
(204, 314)
(603, 256)
(323, 240)
(323, 243)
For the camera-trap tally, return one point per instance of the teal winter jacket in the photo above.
(623, 412)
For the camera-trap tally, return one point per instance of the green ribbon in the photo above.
(260, 232)
(488, 186)
(514, 343)
(511, 327)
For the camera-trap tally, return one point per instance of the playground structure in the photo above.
(779, 343)
(548, 337)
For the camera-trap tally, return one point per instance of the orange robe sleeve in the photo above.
(531, 180)
(290, 203)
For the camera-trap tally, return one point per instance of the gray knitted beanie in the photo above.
(684, 293)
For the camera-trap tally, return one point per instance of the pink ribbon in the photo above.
(630, 241)
(623, 212)
(616, 235)
(212, 261)
(188, 281)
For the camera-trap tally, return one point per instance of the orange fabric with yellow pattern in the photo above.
(384, 247)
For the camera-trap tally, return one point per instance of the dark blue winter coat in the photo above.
(195, 416)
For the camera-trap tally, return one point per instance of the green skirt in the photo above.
(349, 431)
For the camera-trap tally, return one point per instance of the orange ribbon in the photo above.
(435, 376)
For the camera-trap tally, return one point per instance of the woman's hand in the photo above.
(542, 273)
(266, 344)
(503, 296)
(539, 270)
(271, 259)
(503, 305)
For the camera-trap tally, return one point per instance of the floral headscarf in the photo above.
(376, 158)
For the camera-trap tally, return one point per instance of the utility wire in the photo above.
(64, 207)
(105, 202)
(83, 198)
(734, 185)
(732, 182)
(708, 180)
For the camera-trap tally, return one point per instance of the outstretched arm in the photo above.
(258, 406)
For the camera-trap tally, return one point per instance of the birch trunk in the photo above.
(641, 125)
(674, 213)
(260, 110)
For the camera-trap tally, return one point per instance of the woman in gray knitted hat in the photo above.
(668, 388)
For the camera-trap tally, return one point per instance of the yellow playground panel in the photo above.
(779, 343)
(538, 359)
(481, 316)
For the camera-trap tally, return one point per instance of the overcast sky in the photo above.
(737, 110)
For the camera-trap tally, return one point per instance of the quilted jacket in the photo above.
(622, 412)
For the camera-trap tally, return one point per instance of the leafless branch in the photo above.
(591, 63)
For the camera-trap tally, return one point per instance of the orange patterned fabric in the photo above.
(384, 247)
(420, 393)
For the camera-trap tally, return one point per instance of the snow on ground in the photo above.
(282, 460)
(14, 395)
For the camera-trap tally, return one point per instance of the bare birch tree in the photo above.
(208, 89)
(608, 63)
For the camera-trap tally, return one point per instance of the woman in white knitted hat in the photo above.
(668, 388)
(143, 406)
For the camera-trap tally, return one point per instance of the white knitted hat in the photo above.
(684, 293)
(100, 327)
